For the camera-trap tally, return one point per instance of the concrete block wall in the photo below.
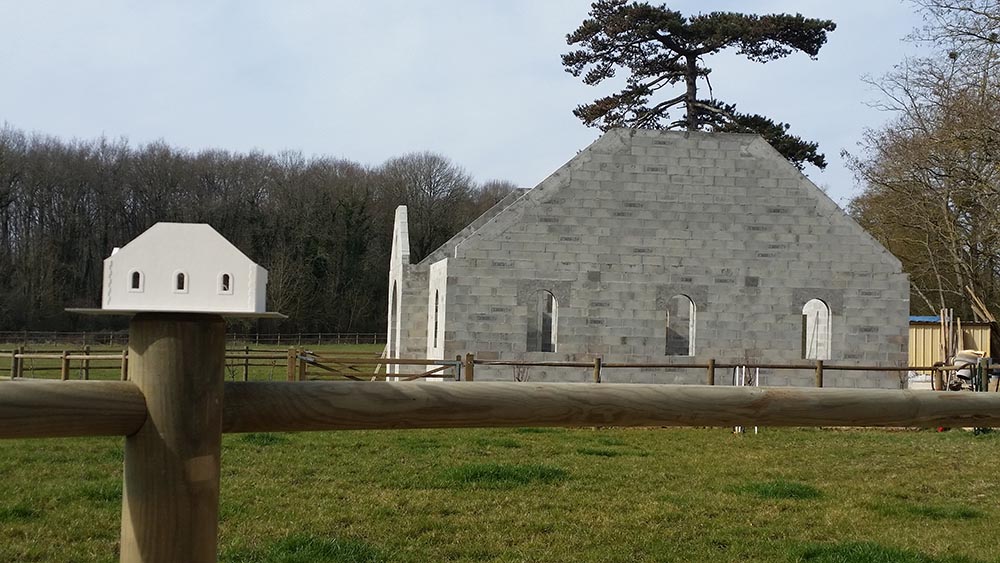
(641, 216)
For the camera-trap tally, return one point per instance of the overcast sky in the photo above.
(478, 81)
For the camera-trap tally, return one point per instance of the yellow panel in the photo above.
(925, 342)
(977, 338)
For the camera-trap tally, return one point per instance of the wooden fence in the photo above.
(116, 338)
(818, 367)
(176, 405)
(24, 363)
(300, 364)
(290, 363)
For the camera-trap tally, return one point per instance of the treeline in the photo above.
(321, 226)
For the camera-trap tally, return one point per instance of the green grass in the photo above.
(781, 489)
(264, 439)
(867, 552)
(498, 476)
(302, 548)
(684, 495)
(17, 513)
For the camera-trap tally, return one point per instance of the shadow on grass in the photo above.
(780, 489)
(496, 476)
(263, 439)
(929, 511)
(303, 548)
(599, 452)
(497, 442)
(868, 552)
(18, 513)
(609, 441)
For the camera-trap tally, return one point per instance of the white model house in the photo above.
(183, 267)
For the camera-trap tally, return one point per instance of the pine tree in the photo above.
(660, 48)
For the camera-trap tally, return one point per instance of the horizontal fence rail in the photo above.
(53, 409)
(35, 409)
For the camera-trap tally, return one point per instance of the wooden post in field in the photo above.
(938, 380)
(246, 362)
(13, 364)
(20, 362)
(86, 362)
(64, 366)
(597, 369)
(170, 498)
(710, 372)
(290, 373)
(470, 367)
(302, 366)
(125, 364)
(819, 373)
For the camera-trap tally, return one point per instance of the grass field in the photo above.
(621, 495)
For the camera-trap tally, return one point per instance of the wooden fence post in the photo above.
(64, 366)
(124, 368)
(20, 362)
(290, 373)
(819, 373)
(302, 365)
(597, 369)
(13, 364)
(938, 380)
(246, 362)
(458, 367)
(470, 367)
(86, 362)
(170, 497)
(710, 372)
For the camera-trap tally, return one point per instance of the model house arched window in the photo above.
(181, 282)
(543, 322)
(817, 330)
(135, 281)
(225, 284)
(681, 313)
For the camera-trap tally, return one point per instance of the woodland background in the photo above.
(321, 226)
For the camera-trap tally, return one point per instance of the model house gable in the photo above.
(186, 267)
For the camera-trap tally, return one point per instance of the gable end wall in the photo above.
(640, 216)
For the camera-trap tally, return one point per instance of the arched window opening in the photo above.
(681, 313)
(135, 281)
(180, 282)
(393, 345)
(225, 283)
(437, 310)
(817, 330)
(543, 323)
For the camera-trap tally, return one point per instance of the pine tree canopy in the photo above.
(660, 48)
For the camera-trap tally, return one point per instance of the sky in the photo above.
(480, 82)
